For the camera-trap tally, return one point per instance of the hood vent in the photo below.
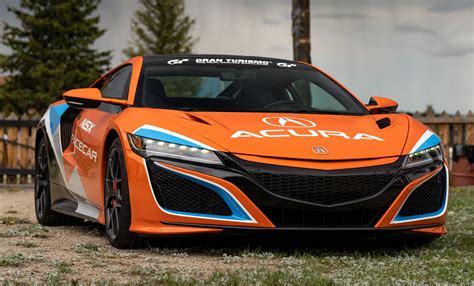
(196, 119)
(384, 122)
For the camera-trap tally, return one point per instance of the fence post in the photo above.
(457, 129)
(12, 135)
(470, 128)
(2, 144)
(23, 138)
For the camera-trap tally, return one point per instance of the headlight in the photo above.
(148, 147)
(424, 157)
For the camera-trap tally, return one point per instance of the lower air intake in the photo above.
(427, 198)
(177, 193)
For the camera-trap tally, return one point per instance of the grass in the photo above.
(12, 220)
(27, 230)
(87, 247)
(26, 244)
(282, 261)
(63, 267)
(14, 260)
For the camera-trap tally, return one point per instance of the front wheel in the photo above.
(117, 200)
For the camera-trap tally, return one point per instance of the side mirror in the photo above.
(381, 105)
(88, 98)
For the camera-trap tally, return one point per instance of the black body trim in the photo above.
(364, 229)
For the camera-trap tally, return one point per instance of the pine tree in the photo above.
(51, 51)
(160, 27)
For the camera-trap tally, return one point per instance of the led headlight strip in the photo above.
(425, 156)
(154, 141)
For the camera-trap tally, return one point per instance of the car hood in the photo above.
(298, 136)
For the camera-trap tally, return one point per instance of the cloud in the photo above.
(271, 21)
(281, 48)
(453, 51)
(339, 15)
(413, 29)
(443, 6)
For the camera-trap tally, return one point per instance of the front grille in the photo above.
(427, 198)
(284, 217)
(323, 190)
(174, 192)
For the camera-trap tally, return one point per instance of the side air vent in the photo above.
(67, 121)
(384, 122)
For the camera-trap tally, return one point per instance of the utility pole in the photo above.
(300, 30)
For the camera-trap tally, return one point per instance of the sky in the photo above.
(417, 52)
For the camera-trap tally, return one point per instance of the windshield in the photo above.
(244, 88)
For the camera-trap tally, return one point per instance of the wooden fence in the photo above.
(17, 138)
(453, 129)
(17, 141)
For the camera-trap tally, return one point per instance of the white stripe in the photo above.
(87, 210)
(55, 141)
(151, 127)
(197, 216)
(422, 140)
(75, 184)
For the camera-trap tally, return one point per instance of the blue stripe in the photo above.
(399, 218)
(237, 212)
(158, 135)
(433, 140)
(55, 114)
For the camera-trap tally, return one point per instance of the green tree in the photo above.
(161, 27)
(51, 51)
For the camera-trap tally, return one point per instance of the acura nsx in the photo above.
(204, 144)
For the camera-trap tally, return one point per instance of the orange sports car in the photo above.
(202, 144)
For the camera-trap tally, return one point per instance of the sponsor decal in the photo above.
(84, 149)
(286, 65)
(294, 128)
(87, 125)
(233, 62)
(177, 61)
(320, 150)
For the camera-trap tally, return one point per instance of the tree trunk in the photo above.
(300, 29)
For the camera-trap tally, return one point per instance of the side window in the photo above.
(318, 98)
(118, 84)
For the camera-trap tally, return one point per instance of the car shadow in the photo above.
(277, 242)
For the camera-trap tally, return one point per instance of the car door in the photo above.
(89, 135)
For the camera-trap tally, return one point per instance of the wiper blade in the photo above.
(187, 109)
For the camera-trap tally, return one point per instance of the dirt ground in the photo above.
(83, 252)
(30, 253)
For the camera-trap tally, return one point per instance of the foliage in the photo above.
(160, 27)
(51, 51)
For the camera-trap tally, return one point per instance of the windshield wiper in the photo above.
(187, 109)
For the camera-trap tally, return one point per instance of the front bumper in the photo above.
(245, 195)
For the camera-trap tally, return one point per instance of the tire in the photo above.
(117, 209)
(44, 214)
